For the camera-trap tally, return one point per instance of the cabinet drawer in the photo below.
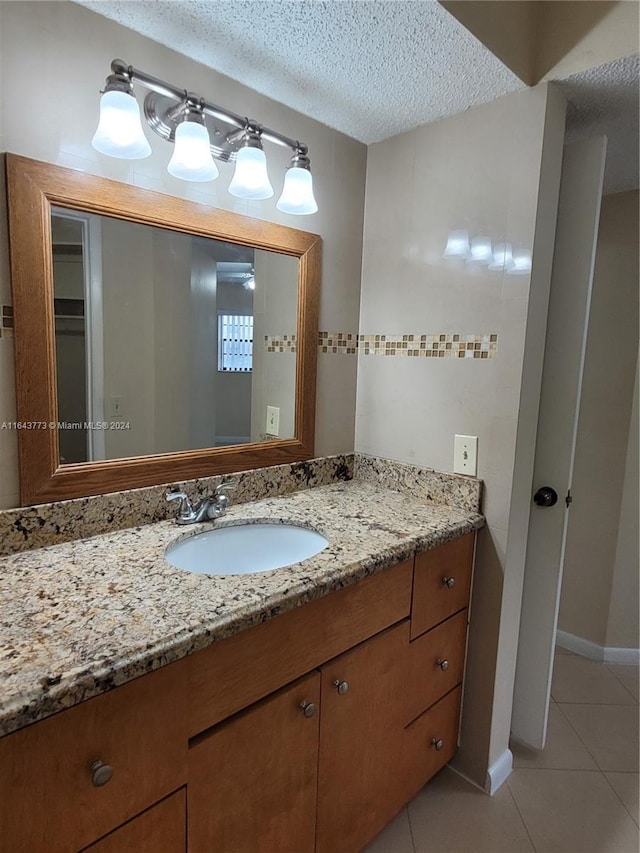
(234, 673)
(48, 802)
(161, 829)
(422, 757)
(441, 583)
(435, 664)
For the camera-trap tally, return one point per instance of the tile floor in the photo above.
(579, 795)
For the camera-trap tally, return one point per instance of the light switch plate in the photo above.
(273, 420)
(116, 407)
(465, 454)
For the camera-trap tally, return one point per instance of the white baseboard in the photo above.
(499, 772)
(602, 654)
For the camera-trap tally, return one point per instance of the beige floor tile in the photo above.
(629, 677)
(564, 749)
(395, 838)
(572, 811)
(610, 733)
(626, 787)
(577, 679)
(449, 815)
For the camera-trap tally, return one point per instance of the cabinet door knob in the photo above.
(437, 743)
(450, 582)
(101, 773)
(443, 664)
(308, 708)
(341, 686)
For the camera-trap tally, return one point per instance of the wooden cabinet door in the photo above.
(252, 779)
(361, 742)
(161, 829)
(49, 799)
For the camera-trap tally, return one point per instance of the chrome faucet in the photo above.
(205, 510)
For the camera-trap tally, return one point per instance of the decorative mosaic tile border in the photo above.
(446, 345)
(344, 343)
(6, 322)
(280, 343)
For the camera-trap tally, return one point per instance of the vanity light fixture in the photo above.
(297, 194)
(191, 159)
(119, 132)
(200, 130)
(250, 179)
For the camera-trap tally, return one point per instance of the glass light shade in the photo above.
(480, 252)
(250, 179)
(457, 245)
(521, 264)
(191, 159)
(502, 257)
(249, 284)
(297, 193)
(119, 132)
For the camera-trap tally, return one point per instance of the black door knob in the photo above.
(545, 496)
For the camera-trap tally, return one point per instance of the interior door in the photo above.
(568, 319)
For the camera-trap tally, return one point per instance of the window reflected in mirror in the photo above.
(166, 341)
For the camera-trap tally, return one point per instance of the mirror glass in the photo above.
(167, 341)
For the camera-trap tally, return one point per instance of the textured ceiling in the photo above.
(604, 101)
(369, 68)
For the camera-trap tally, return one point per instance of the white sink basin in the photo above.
(242, 549)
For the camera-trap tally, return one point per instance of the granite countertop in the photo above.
(81, 617)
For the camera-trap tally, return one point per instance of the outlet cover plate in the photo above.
(465, 455)
(273, 420)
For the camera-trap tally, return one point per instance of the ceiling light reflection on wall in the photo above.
(457, 245)
(502, 257)
(200, 130)
(521, 264)
(480, 251)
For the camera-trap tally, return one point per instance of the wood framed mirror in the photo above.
(151, 421)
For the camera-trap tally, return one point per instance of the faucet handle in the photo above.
(226, 484)
(185, 503)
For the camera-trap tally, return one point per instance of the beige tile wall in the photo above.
(483, 171)
(57, 56)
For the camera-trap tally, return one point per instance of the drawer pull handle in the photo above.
(443, 664)
(449, 582)
(101, 773)
(341, 686)
(437, 743)
(308, 708)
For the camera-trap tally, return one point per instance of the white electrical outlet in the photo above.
(273, 420)
(465, 454)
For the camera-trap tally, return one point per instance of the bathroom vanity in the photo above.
(298, 726)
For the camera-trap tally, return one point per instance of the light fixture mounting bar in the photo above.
(154, 84)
